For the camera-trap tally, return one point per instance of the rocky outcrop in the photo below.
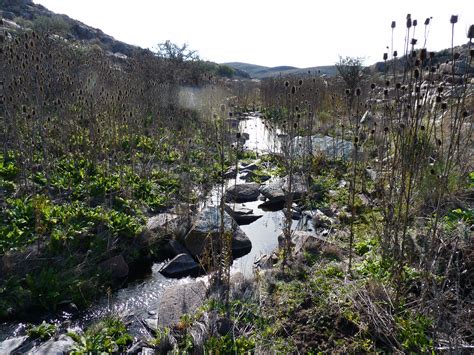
(243, 192)
(180, 266)
(207, 227)
(178, 300)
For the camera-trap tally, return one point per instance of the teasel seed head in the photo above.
(454, 19)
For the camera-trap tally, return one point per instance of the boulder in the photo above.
(167, 224)
(243, 192)
(250, 167)
(277, 191)
(62, 345)
(178, 300)
(250, 174)
(115, 266)
(10, 346)
(306, 241)
(180, 266)
(207, 227)
(328, 146)
(174, 248)
(242, 215)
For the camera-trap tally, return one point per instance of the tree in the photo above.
(351, 71)
(176, 53)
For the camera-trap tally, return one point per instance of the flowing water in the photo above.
(140, 299)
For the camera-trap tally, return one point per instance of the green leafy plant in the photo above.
(43, 331)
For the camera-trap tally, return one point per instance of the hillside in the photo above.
(261, 72)
(28, 14)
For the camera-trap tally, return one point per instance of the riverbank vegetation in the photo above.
(377, 167)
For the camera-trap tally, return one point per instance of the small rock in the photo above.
(151, 323)
(147, 351)
(180, 266)
(320, 220)
(224, 326)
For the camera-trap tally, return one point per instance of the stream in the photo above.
(140, 299)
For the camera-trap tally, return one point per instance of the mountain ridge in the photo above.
(261, 72)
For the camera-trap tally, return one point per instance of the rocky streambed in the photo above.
(253, 216)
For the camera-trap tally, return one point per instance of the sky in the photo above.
(301, 33)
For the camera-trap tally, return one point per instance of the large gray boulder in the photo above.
(328, 146)
(62, 345)
(207, 227)
(167, 224)
(277, 191)
(11, 345)
(181, 265)
(178, 300)
(243, 192)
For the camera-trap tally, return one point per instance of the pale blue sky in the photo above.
(272, 32)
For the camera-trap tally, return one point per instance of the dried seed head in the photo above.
(395, 54)
(454, 19)
(394, 24)
(456, 55)
(423, 54)
(409, 21)
(387, 83)
(385, 92)
(427, 21)
(440, 89)
(413, 41)
(470, 32)
(372, 86)
(444, 105)
(385, 56)
(415, 22)
(398, 85)
(416, 73)
(287, 83)
(385, 129)
(417, 63)
(293, 90)
(358, 91)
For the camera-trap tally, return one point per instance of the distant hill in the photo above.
(260, 72)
